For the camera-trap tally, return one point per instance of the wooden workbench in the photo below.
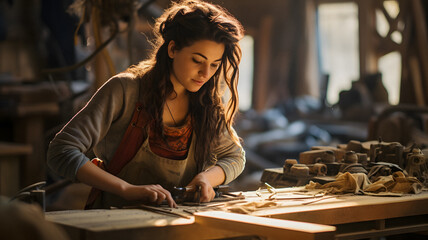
(297, 216)
(359, 216)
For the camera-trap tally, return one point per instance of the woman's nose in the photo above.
(204, 71)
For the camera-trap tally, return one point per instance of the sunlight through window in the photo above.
(338, 36)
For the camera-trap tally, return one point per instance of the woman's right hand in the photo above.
(149, 193)
(98, 178)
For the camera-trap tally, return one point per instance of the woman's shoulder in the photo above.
(124, 78)
(125, 81)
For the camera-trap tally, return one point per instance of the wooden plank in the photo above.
(349, 209)
(132, 224)
(264, 227)
(14, 149)
(182, 232)
(99, 220)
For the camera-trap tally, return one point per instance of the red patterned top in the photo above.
(176, 143)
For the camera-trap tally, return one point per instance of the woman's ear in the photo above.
(171, 49)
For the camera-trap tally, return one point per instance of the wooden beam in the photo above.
(421, 41)
(415, 72)
(367, 28)
(262, 54)
(269, 228)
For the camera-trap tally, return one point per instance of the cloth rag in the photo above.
(396, 183)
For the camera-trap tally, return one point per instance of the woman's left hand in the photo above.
(207, 191)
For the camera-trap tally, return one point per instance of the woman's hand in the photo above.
(98, 178)
(149, 193)
(207, 191)
(208, 179)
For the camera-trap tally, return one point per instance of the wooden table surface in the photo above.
(300, 215)
(340, 209)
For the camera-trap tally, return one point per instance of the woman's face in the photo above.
(194, 65)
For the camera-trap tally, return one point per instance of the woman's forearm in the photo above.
(96, 177)
(215, 175)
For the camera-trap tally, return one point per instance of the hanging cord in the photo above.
(97, 37)
(131, 25)
(76, 32)
(96, 6)
(83, 62)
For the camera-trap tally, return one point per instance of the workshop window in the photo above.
(390, 64)
(390, 67)
(339, 48)
(246, 69)
(338, 45)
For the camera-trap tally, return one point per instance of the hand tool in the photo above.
(160, 210)
(186, 194)
(192, 194)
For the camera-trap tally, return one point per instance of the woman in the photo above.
(161, 124)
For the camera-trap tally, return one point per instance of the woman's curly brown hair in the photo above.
(186, 22)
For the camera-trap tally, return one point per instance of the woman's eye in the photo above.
(215, 65)
(196, 61)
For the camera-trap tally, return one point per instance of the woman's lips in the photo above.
(198, 82)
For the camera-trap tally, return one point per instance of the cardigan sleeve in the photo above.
(66, 152)
(229, 156)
